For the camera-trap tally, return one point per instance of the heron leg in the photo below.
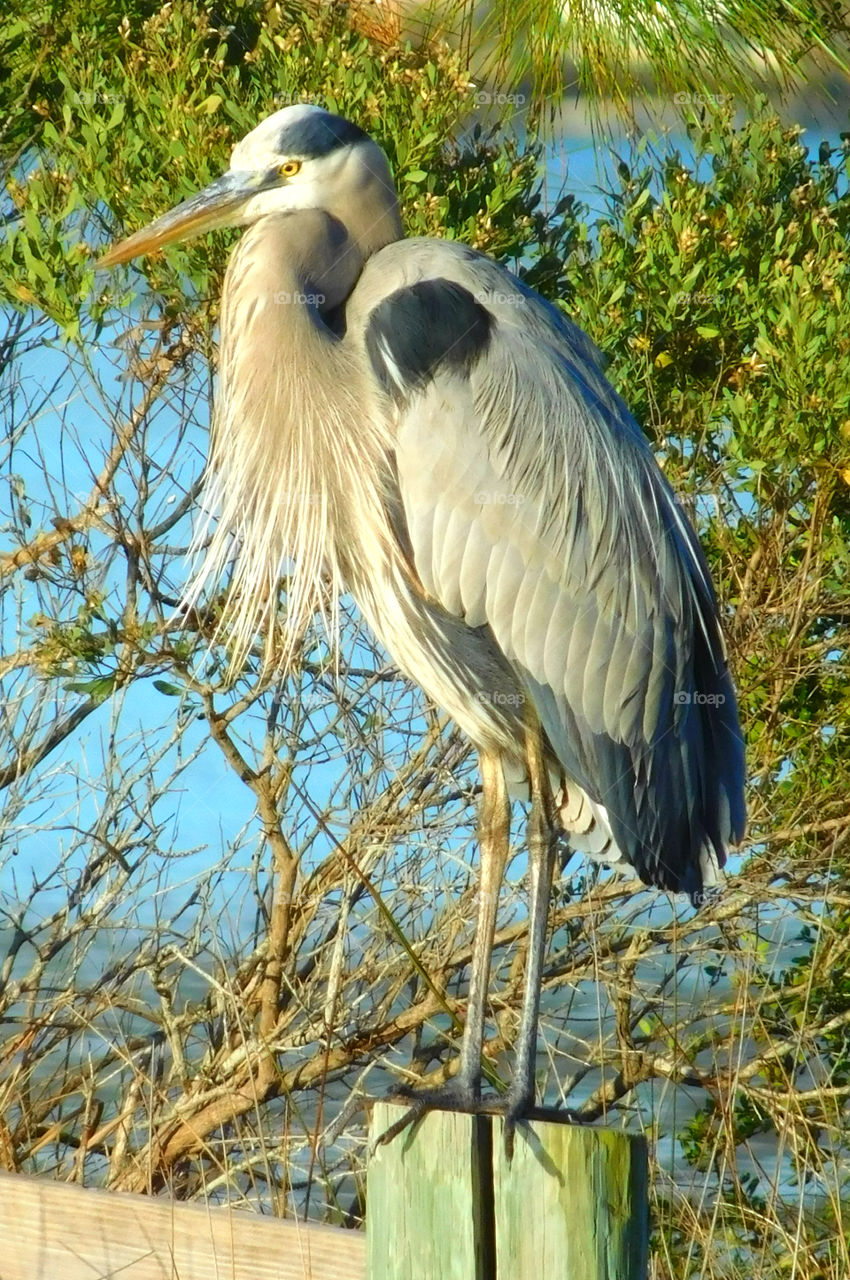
(541, 864)
(463, 1091)
(494, 843)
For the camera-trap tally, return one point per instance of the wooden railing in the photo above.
(52, 1231)
(443, 1200)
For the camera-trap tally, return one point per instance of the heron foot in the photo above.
(520, 1109)
(456, 1095)
(453, 1095)
(516, 1107)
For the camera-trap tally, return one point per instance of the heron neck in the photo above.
(365, 201)
(289, 393)
(372, 217)
(305, 256)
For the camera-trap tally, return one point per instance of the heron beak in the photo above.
(218, 205)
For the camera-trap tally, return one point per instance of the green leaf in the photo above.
(170, 690)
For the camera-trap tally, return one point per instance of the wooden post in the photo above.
(429, 1198)
(444, 1203)
(573, 1202)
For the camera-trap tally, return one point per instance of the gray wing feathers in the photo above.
(534, 505)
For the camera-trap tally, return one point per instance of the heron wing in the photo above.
(534, 507)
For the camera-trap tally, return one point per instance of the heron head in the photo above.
(302, 157)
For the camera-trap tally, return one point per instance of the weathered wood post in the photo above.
(444, 1203)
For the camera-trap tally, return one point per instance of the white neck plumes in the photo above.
(295, 462)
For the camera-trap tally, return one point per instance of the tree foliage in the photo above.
(610, 53)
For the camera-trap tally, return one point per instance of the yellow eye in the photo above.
(289, 168)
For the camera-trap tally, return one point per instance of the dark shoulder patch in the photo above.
(421, 327)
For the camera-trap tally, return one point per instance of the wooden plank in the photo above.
(572, 1203)
(428, 1200)
(52, 1231)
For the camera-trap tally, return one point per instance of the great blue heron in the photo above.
(408, 421)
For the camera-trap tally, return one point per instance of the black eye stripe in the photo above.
(316, 135)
